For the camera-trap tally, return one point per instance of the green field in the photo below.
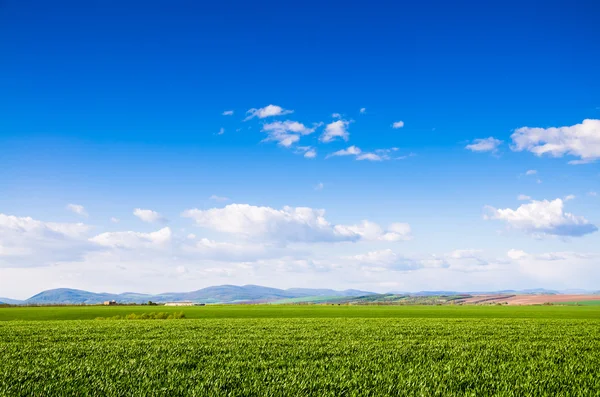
(303, 350)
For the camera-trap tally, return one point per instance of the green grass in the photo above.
(581, 303)
(302, 357)
(269, 350)
(304, 311)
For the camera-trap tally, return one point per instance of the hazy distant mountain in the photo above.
(235, 293)
(216, 294)
(328, 292)
(9, 301)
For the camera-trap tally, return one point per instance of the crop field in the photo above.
(266, 350)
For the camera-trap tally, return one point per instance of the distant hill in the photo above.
(8, 301)
(216, 294)
(255, 294)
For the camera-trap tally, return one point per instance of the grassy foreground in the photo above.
(260, 351)
(301, 311)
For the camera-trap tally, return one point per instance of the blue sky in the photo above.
(108, 107)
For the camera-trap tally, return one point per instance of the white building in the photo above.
(182, 303)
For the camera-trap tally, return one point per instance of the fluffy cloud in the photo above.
(148, 216)
(288, 225)
(77, 209)
(132, 240)
(531, 172)
(221, 131)
(523, 197)
(286, 133)
(267, 111)
(227, 113)
(363, 110)
(115, 220)
(398, 124)
(579, 140)
(484, 145)
(25, 241)
(336, 129)
(543, 218)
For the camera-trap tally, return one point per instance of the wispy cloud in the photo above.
(377, 155)
(484, 145)
(221, 199)
(267, 111)
(363, 110)
(286, 133)
(77, 209)
(398, 124)
(227, 113)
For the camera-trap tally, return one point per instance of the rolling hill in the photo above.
(215, 294)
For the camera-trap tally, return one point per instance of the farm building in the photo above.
(110, 303)
(182, 303)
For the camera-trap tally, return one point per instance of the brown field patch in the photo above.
(526, 299)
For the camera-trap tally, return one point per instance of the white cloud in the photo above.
(26, 242)
(385, 260)
(307, 151)
(350, 151)
(78, 209)
(570, 197)
(579, 140)
(214, 197)
(133, 240)
(369, 156)
(227, 113)
(371, 231)
(319, 186)
(457, 260)
(221, 131)
(267, 111)
(363, 110)
(543, 218)
(378, 155)
(398, 124)
(286, 133)
(484, 145)
(563, 268)
(336, 129)
(336, 116)
(115, 220)
(592, 194)
(531, 172)
(300, 224)
(148, 216)
(310, 154)
(523, 197)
